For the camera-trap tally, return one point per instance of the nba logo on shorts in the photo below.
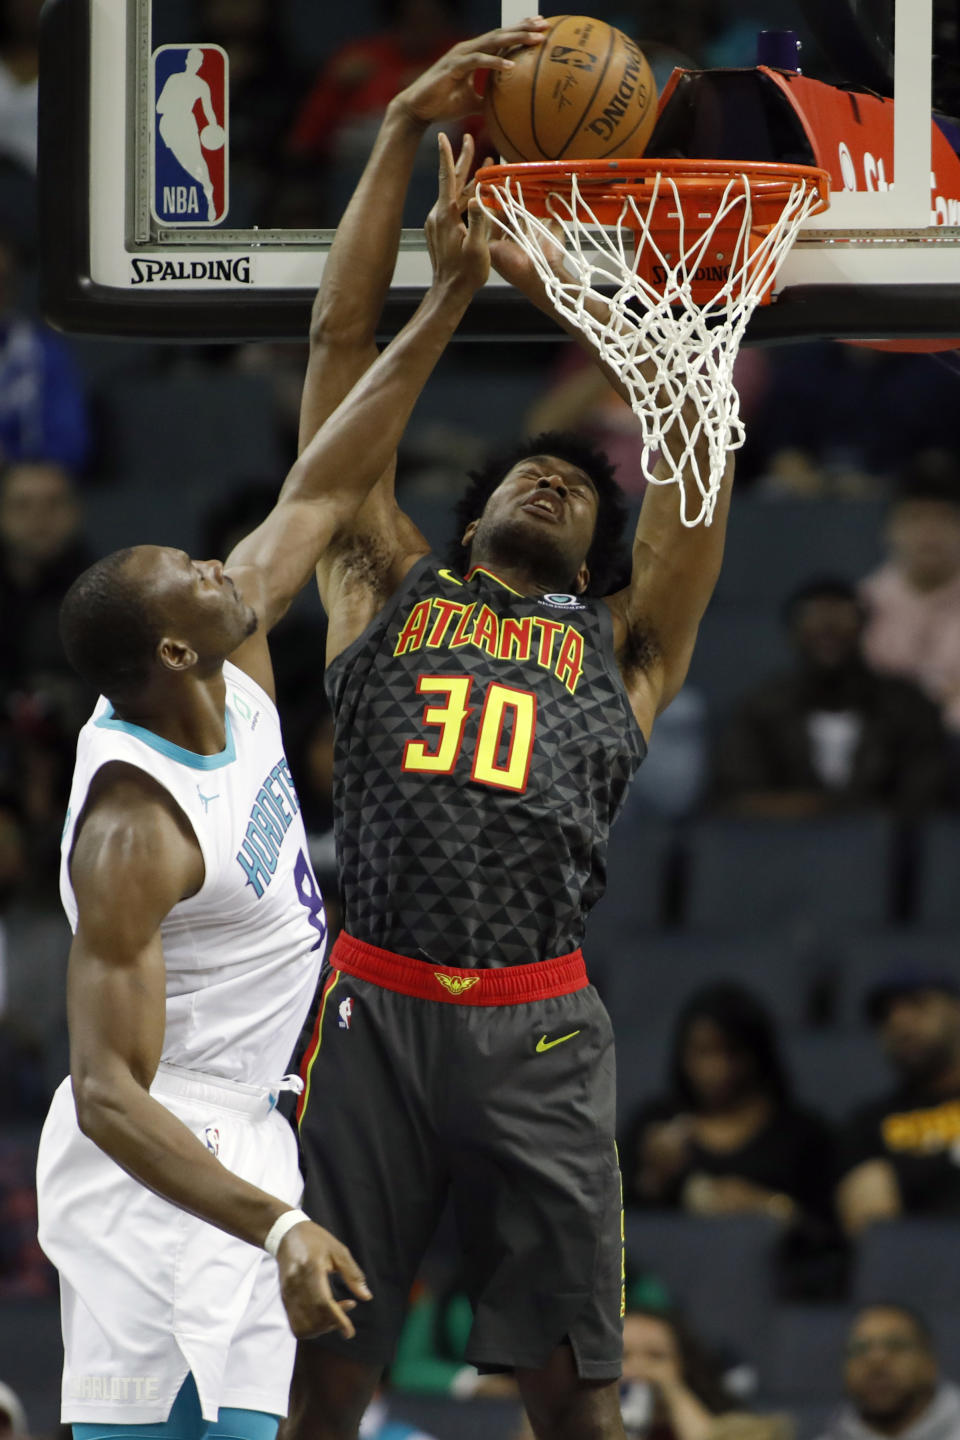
(211, 1138)
(190, 135)
(346, 1012)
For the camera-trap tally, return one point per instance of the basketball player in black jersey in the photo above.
(489, 717)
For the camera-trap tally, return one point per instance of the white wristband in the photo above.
(279, 1228)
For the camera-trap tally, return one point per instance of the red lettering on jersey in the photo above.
(411, 636)
(461, 635)
(445, 611)
(549, 630)
(486, 632)
(570, 659)
(515, 638)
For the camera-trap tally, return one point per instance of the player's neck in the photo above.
(187, 710)
(518, 575)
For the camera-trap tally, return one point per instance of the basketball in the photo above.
(212, 137)
(586, 93)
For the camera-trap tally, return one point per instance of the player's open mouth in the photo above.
(547, 505)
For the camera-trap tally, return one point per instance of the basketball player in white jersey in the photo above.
(167, 1183)
(178, 124)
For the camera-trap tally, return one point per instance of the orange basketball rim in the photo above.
(671, 207)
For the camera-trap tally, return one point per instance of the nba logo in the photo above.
(346, 1013)
(190, 135)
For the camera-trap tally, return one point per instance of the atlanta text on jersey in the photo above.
(438, 623)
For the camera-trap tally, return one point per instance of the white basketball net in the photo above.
(666, 346)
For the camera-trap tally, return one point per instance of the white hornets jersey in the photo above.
(243, 954)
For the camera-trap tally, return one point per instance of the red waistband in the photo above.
(509, 985)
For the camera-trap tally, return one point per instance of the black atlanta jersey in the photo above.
(484, 746)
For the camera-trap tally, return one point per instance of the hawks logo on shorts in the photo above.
(190, 135)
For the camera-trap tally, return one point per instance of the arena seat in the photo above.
(642, 1060)
(811, 1420)
(805, 875)
(136, 514)
(938, 901)
(704, 1264)
(651, 976)
(805, 1354)
(836, 1071)
(193, 431)
(739, 646)
(774, 546)
(865, 960)
(31, 1358)
(638, 860)
(448, 1419)
(909, 1261)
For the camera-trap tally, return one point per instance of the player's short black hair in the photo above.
(822, 587)
(922, 1330)
(606, 558)
(747, 1025)
(107, 629)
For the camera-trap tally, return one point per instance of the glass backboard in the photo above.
(135, 244)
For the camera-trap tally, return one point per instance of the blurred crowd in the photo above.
(825, 695)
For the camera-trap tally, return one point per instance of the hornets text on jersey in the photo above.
(484, 746)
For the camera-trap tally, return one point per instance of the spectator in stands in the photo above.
(13, 1419)
(913, 601)
(673, 1390)
(898, 1154)
(892, 1381)
(830, 734)
(728, 1138)
(43, 411)
(19, 69)
(41, 701)
(343, 110)
(42, 551)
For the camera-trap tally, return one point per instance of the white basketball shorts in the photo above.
(148, 1292)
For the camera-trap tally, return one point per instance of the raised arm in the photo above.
(675, 568)
(331, 478)
(361, 261)
(347, 310)
(134, 859)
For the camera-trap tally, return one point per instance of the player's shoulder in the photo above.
(131, 831)
(129, 808)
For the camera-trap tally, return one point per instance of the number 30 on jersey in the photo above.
(508, 721)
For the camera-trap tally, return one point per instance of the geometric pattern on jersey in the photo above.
(484, 747)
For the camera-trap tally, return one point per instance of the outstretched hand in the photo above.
(307, 1258)
(459, 253)
(511, 261)
(446, 91)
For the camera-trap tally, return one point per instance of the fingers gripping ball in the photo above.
(586, 93)
(212, 137)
